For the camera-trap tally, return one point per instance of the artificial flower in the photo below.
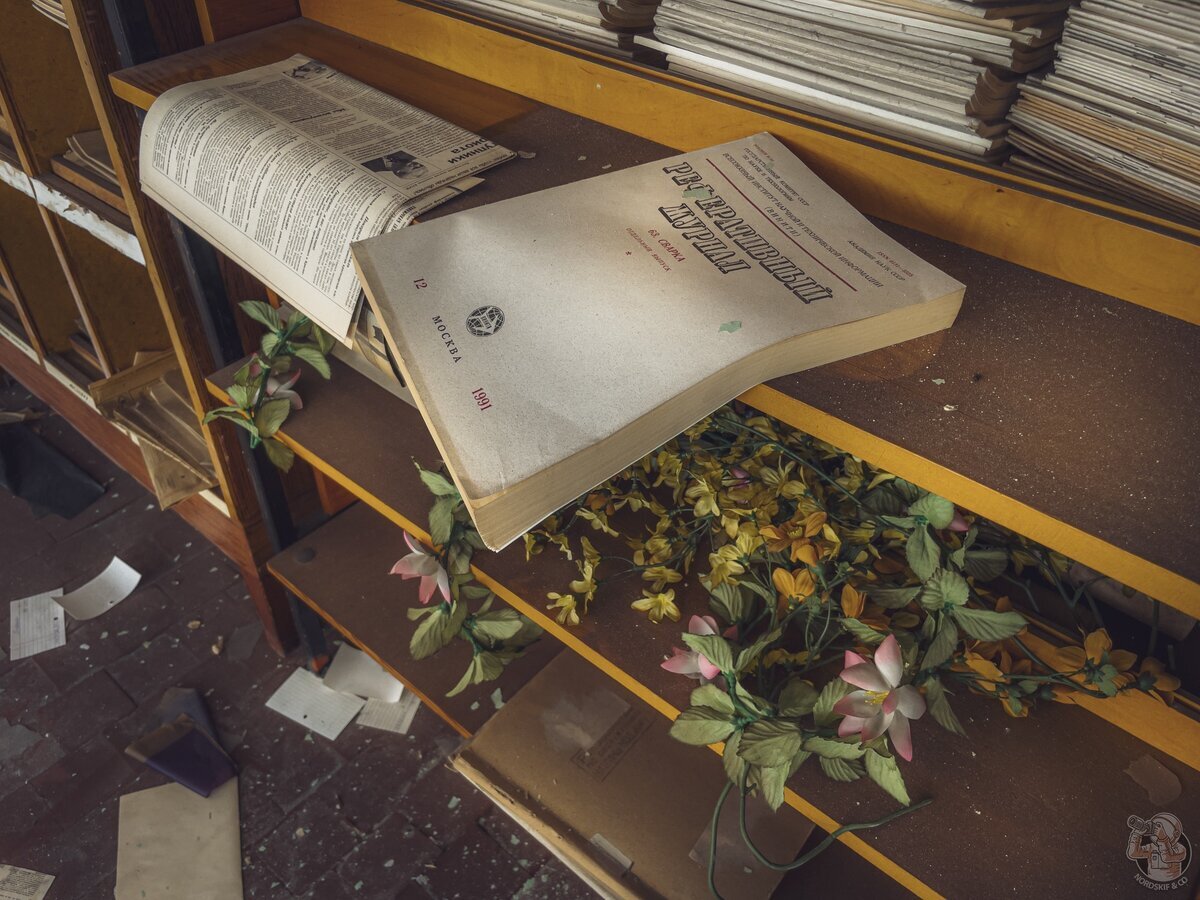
(566, 606)
(660, 576)
(1154, 677)
(423, 565)
(658, 606)
(793, 586)
(883, 704)
(690, 662)
(725, 566)
(282, 390)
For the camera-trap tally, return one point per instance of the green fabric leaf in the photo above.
(437, 631)
(241, 395)
(884, 771)
(797, 698)
(749, 655)
(714, 647)
(893, 597)
(734, 764)
(441, 519)
(475, 591)
(438, 485)
(945, 588)
(714, 698)
(770, 742)
(771, 781)
(943, 645)
(834, 749)
(861, 632)
(263, 313)
(314, 358)
(271, 415)
(497, 626)
(938, 702)
(833, 691)
(900, 521)
(923, 553)
(700, 725)
(419, 612)
(280, 455)
(840, 769)
(270, 344)
(324, 339)
(986, 625)
(986, 564)
(938, 510)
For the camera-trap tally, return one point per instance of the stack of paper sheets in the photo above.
(52, 10)
(605, 25)
(940, 73)
(1120, 113)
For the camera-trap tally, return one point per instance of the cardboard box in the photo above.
(591, 772)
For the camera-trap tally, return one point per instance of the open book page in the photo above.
(533, 328)
(282, 166)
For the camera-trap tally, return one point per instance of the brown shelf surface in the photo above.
(341, 571)
(339, 432)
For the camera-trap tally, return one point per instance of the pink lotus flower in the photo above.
(423, 565)
(690, 662)
(883, 704)
(282, 390)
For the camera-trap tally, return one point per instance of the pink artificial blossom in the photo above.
(958, 523)
(690, 662)
(423, 565)
(882, 704)
(282, 390)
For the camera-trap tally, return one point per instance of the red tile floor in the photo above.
(370, 815)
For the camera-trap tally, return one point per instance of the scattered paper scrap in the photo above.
(304, 699)
(731, 327)
(15, 739)
(949, 407)
(498, 698)
(23, 884)
(218, 645)
(35, 625)
(939, 381)
(526, 154)
(241, 642)
(698, 193)
(1160, 783)
(353, 672)
(395, 717)
(174, 843)
(103, 592)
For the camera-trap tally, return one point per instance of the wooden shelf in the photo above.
(335, 433)
(1048, 389)
(90, 183)
(341, 571)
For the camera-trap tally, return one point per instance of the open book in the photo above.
(282, 166)
(553, 339)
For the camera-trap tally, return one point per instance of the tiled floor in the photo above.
(371, 815)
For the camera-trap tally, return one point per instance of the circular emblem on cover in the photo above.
(485, 320)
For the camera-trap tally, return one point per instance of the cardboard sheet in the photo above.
(354, 672)
(173, 843)
(103, 592)
(36, 625)
(304, 699)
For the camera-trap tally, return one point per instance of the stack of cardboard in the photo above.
(939, 73)
(1120, 113)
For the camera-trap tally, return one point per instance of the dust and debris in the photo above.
(218, 645)
(606, 166)
(388, 863)
(454, 802)
(949, 407)
(581, 159)
(475, 706)
(526, 154)
(497, 698)
(938, 381)
(194, 624)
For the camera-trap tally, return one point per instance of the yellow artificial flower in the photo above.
(725, 566)
(565, 604)
(658, 606)
(797, 585)
(660, 576)
(853, 602)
